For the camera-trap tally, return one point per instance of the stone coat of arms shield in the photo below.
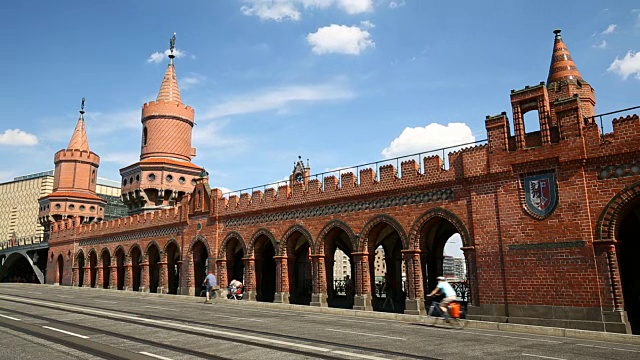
(540, 194)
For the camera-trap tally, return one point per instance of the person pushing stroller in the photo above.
(235, 290)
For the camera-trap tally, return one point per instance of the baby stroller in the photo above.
(235, 290)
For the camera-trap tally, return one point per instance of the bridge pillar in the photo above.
(144, 283)
(163, 281)
(362, 299)
(282, 279)
(87, 275)
(414, 303)
(223, 280)
(250, 279)
(128, 274)
(113, 273)
(319, 294)
(99, 277)
(75, 276)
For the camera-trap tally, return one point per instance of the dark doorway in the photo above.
(265, 269)
(154, 269)
(235, 262)
(60, 273)
(106, 269)
(93, 268)
(136, 259)
(81, 269)
(200, 265)
(339, 262)
(120, 272)
(173, 268)
(628, 250)
(300, 281)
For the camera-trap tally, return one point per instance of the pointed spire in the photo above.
(79, 140)
(562, 65)
(169, 90)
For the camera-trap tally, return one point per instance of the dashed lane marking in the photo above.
(9, 317)
(154, 355)
(543, 357)
(361, 333)
(66, 332)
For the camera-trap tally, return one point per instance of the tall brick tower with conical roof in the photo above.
(565, 80)
(74, 184)
(165, 173)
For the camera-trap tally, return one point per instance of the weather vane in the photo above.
(82, 107)
(172, 43)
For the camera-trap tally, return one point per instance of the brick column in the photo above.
(75, 277)
(518, 126)
(250, 289)
(363, 278)
(282, 280)
(616, 288)
(87, 276)
(414, 303)
(99, 278)
(472, 276)
(144, 270)
(163, 277)
(223, 280)
(128, 274)
(113, 277)
(319, 295)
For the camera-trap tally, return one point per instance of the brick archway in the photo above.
(363, 244)
(414, 234)
(105, 264)
(256, 235)
(222, 253)
(297, 277)
(610, 216)
(92, 259)
(320, 241)
(284, 242)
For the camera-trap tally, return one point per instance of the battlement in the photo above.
(167, 108)
(74, 154)
(72, 228)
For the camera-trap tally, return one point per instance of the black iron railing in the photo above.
(356, 169)
(592, 119)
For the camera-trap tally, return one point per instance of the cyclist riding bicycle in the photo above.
(449, 294)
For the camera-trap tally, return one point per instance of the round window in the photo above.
(92, 209)
(169, 178)
(71, 207)
(82, 207)
(152, 177)
(182, 180)
(193, 182)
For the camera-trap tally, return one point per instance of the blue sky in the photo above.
(335, 81)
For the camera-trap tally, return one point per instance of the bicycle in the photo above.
(434, 315)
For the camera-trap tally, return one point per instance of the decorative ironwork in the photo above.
(461, 288)
(340, 287)
(416, 198)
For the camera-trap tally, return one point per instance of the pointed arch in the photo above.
(171, 241)
(257, 234)
(79, 253)
(331, 225)
(610, 216)
(119, 248)
(92, 251)
(414, 235)
(153, 242)
(293, 229)
(103, 251)
(134, 246)
(232, 235)
(204, 241)
(387, 219)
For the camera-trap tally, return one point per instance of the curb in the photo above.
(469, 324)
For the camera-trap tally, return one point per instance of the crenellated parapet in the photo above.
(72, 229)
(78, 155)
(161, 108)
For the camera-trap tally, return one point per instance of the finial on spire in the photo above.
(172, 46)
(82, 107)
(557, 32)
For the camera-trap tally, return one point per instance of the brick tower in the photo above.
(74, 184)
(164, 173)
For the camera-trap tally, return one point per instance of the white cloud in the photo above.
(430, 137)
(121, 158)
(158, 57)
(610, 29)
(210, 136)
(366, 24)
(278, 99)
(17, 137)
(628, 65)
(396, 4)
(280, 10)
(191, 80)
(342, 39)
(601, 45)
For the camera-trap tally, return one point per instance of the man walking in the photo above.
(211, 283)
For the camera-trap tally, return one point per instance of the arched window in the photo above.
(144, 136)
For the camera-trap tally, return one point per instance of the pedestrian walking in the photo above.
(212, 284)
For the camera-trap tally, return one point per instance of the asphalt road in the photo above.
(46, 322)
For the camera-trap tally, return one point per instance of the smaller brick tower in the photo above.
(164, 174)
(74, 184)
(300, 172)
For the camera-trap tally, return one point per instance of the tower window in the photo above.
(137, 177)
(144, 136)
(71, 207)
(124, 182)
(82, 208)
(169, 178)
(152, 177)
(182, 180)
(58, 206)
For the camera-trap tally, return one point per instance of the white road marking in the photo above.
(543, 357)
(154, 355)
(64, 296)
(361, 333)
(106, 301)
(9, 317)
(34, 292)
(199, 329)
(610, 348)
(515, 337)
(158, 307)
(66, 332)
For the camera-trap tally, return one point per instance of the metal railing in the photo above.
(592, 119)
(356, 169)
